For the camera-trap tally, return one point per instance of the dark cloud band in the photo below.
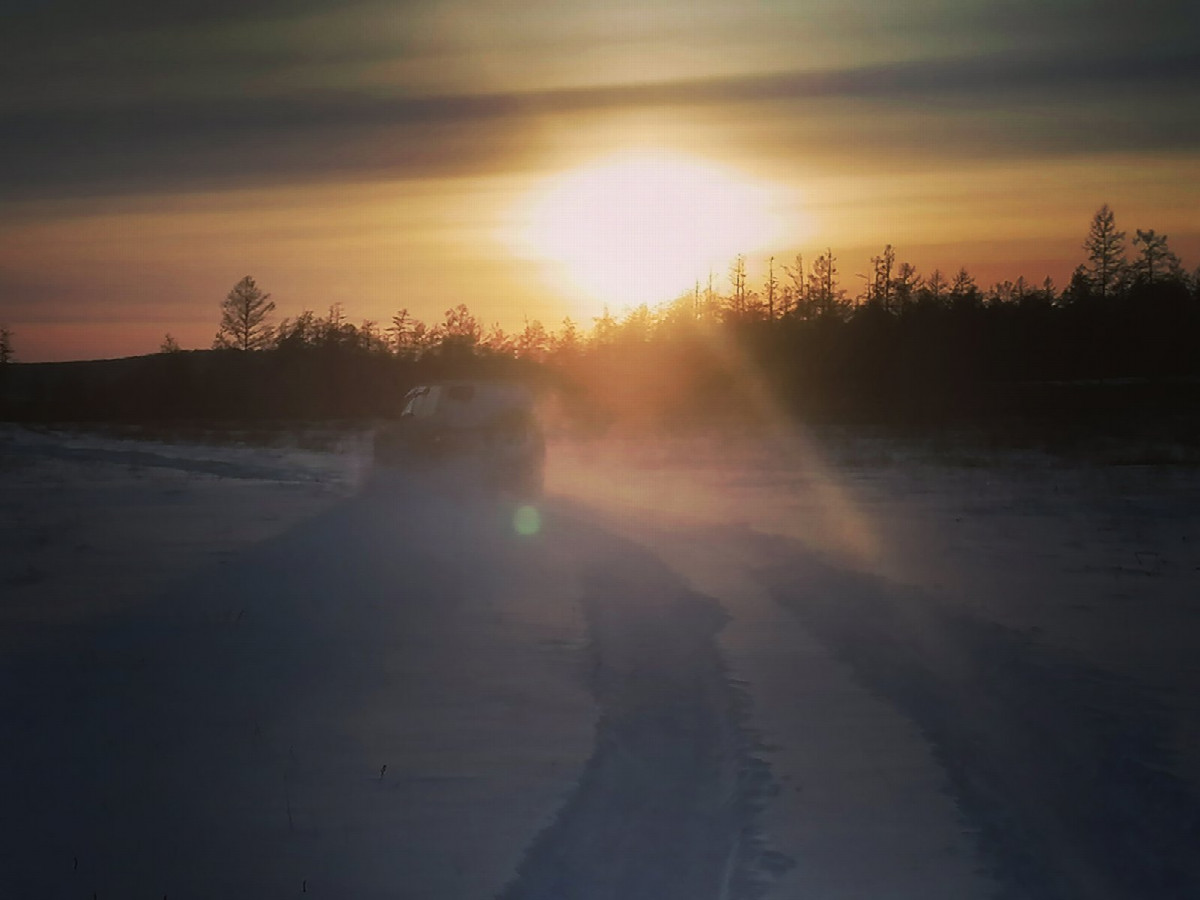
(1136, 103)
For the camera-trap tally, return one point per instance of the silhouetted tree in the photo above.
(460, 324)
(498, 342)
(566, 343)
(459, 333)
(243, 318)
(904, 286)
(1038, 298)
(423, 338)
(879, 283)
(711, 301)
(1156, 262)
(399, 331)
(737, 281)
(299, 333)
(1000, 293)
(771, 288)
(604, 328)
(533, 342)
(675, 318)
(407, 335)
(933, 291)
(1079, 288)
(964, 292)
(169, 344)
(334, 334)
(370, 338)
(824, 295)
(6, 345)
(637, 325)
(1105, 247)
(797, 297)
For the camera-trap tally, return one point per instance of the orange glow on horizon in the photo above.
(110, 276)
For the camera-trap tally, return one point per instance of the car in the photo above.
(490, 426)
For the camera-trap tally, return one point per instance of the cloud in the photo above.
(72, 53)
(134, 95)
(996, 104)
(64, 18)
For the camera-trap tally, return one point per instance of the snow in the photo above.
(1026, 630)
(91, 525)
(831, 665)
(221, 728)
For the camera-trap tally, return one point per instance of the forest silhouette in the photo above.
(1118, 344)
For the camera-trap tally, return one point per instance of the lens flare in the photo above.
(527, 521)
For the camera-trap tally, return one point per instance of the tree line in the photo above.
(789, 293)
(903, 347)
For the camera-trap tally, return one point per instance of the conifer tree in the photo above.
(1105, 247)
(243, 318)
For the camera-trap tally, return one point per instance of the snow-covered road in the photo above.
(701, 676)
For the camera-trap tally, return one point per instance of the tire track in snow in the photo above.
(665, 807)
(1060, 767)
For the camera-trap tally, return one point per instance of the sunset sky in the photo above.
(538, 159)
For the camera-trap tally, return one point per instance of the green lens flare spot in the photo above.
(527, 520)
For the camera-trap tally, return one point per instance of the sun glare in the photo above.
(644, 227)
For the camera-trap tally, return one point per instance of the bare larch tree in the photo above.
(243, 318)
(1105, 247)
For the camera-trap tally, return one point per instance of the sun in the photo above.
(644, 226)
